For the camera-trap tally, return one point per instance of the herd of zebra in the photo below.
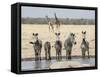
(68, 44)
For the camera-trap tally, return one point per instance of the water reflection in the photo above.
(37, 65)
(45, 64)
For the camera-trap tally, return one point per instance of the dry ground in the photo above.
(46, 35)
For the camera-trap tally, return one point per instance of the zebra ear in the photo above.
(36, 34)
(55, 33)
(73, 34)
(85, 32)
(33, 34)
(82, 32)
(58, 33)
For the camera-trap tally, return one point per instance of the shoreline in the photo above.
(54, 57)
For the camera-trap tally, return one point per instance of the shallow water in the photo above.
(43, 64)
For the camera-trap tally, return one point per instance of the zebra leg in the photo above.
(88, 54)
(40, 54)
(66, 54)
(45, 54)
(82, 53)
(69, 55)
(35, 56)
(56, 54)
(60, 55)
(49, 55)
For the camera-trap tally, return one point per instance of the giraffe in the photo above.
(57, 22)
(50, 23)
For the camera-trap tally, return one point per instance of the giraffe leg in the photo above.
(49, 27)
(52, 28)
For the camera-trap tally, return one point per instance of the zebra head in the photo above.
(72, 38)
(57, 36)
(35, 37)
(84, 35)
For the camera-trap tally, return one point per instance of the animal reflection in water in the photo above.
(68, 44)
(58, 47)
(37, 45)
(84, 45)
(37, 64)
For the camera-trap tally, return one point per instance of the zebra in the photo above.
(47, 48)
(68, 44)
(58, 47)
(84, 45)
(37, 45)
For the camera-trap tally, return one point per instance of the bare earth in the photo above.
(67, 64)
(46, 35)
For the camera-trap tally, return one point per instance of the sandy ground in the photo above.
(46, 35)
(67, 64)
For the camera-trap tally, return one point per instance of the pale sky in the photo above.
(41, 12)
